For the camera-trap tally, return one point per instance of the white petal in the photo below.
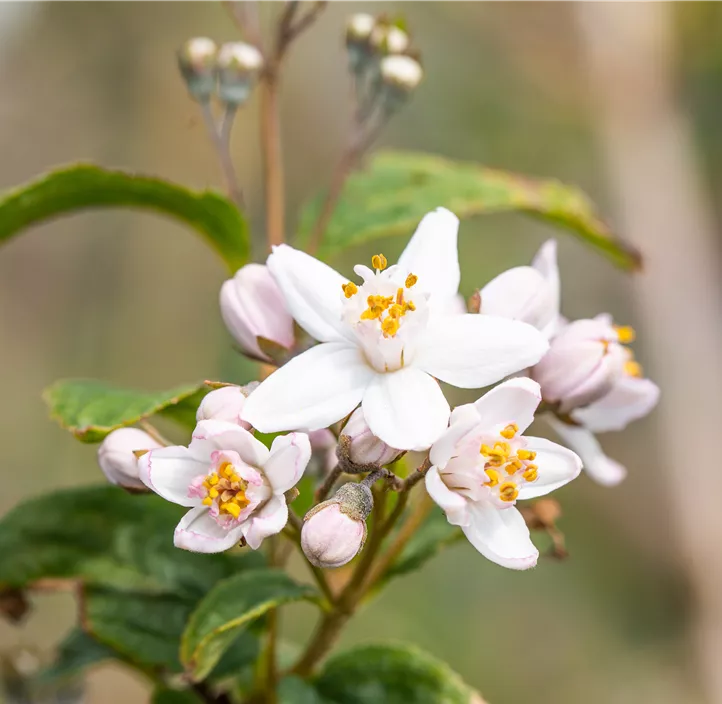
(602, 469)
(222, 435)
(406, 409)
(452, 503)
(312, 391)
(545, 261)
(312, 291)
(557, 467)
(629, 399)
(432, 255)
(270, 520)
(169, 471)
(464, 419)
(289, 456)
(198, 532)
(501, 535)
(513, 401)
(471, 351)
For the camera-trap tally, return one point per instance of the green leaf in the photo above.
(229, 608)
(84, 186)
(175, 696)
(293, 690)
(398, 188)
(104, 536)
(90, 409)
(77, 652)
(392, 674)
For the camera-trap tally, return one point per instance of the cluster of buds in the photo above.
(229, 71)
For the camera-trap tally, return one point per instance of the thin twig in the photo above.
(294, 30)
(331, 478)
(246, 18)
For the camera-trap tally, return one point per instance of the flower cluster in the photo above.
(359, 361)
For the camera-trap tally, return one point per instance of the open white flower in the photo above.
(483, 464)
(232, 483)
(386, 341)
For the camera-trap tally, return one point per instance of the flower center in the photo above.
(507, 467)
(226, 490)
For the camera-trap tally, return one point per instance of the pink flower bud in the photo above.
(116, 458)
(334, 532)
(253, 307)
(583, 362)
(362, 448)
(226, 404)
(323, 452)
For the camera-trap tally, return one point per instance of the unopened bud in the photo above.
(117, 458)
(359, 28)
(238, 66)
(323, 452)
(401, 74)
(359, 450)
(389, 39)
(334, 532)
(226, 404)
(254, 311)
(197, 63)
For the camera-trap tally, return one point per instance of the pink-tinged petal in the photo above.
(312, 291)
(270, 520)
(289, 457)
(170, 471)
(453, 504)
(513, 401)
(545, 262)
(199, 532)
(602, 469)
(629, 399)
(432, 255)
(222, 435)
(464, 420)
(501, 535)
(557, 467)
(312, 391)
(406, 409)
(471, 351)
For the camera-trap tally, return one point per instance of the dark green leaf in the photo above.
(241, 654)
(90, 409)
(293, 690)
(75, 654)
(175, 696)
(228, 608)
(84, 186)
(398, 188)
(392, 674)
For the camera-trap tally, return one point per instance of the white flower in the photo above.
(402, 72)
(483, 464)
(232, 483)
(117, 459)
(225, 404)
(528, 293)
(385, 342)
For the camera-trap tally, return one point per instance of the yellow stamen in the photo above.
(411, 279)
(208, 501)
(390, 326)
(526, 454)
(633, 368)
(213, 479)
(531, 473)
(349, 289)
(213, 493)
(625, 333)
(508, 491)
(514, 466)
(510, 431)
(378, 261)
(410, 305)
(232, 508)
(493, 477)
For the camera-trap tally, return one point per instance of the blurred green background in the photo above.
(621, 99)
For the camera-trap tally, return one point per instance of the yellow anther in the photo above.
(213, 479)
(485, 450)
(510, 431)
(396, 311)
(349, 289)
(625, 333)
(411, 279)
(633, 368)
(514, 466)
(390, 326)
(208, 501)
(493, 477)
(213, 493)
(531, 473)
(235, 478)
(526, 455)
(233, 509)
(378, 261)
(410, 305)
(508, 491)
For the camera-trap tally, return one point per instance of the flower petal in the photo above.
(433, 256)
(629, 399)
(513, 401)
(557, 467)
(406, 409)
(222, 435)
(270, 520)
(545, 262)
(169, 471)
(198, 532)
(602, 469)
(312, 291)
(289, 456)
(453, 504)
(312, 391)
(501, 535)
(471, 351)
(464, 419)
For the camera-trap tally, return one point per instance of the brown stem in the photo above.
(323, 491)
